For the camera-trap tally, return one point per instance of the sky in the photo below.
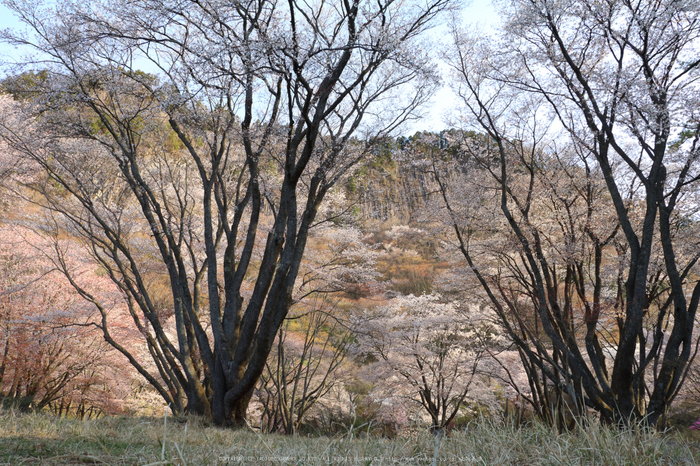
(479, 13)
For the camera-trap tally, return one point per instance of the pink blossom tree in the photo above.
(51, 355)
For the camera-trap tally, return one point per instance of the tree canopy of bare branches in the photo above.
(614, 85)
(206, 173)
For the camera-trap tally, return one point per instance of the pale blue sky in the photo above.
(7, 20)
(481, 14)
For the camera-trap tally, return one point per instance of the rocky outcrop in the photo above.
(390, 192)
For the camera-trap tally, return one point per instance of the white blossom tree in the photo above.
(614, 85)
(426, 350)
(216, 163)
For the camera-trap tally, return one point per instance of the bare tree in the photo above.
(619, 78)
(310, 350)
(216, 165)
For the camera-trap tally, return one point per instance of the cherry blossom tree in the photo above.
(426, 350)
(50, 354)
(209, 173)
(619, 81)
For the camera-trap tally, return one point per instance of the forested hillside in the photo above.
(216, 208)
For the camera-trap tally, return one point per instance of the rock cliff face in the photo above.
(394, 193)
(390, 192)
(392, 188)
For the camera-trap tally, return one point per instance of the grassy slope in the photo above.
(42, 439)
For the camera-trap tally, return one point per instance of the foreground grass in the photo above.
(41, 439)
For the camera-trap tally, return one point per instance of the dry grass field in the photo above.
(33, 439)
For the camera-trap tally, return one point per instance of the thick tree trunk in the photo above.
(197, 402)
